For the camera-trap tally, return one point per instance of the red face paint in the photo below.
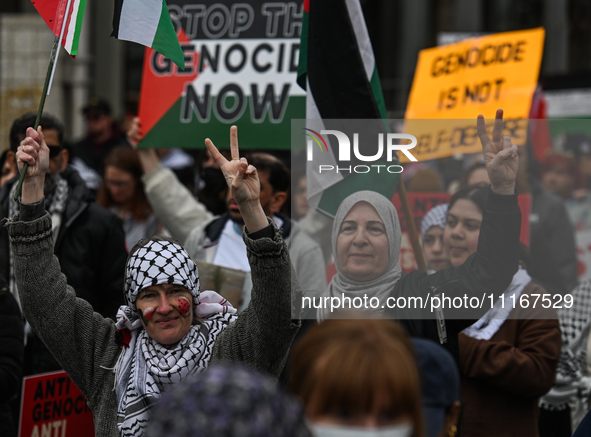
(148, 314)
(184, 306)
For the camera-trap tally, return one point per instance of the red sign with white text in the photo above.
(52, 406)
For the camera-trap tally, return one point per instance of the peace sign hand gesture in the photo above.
(243, 180)
(500, 156)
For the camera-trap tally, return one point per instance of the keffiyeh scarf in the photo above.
(146, 368)
(491, 322)
(573, 386)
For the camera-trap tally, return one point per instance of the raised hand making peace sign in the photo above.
(500, 156)
(243, 180)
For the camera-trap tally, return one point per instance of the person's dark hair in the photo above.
(475, 194)
(468, 172)
(20, 125)
(278, 172)
(478, 196)
(127, 160)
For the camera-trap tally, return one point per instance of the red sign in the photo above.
(52, 406)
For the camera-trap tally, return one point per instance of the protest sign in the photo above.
(229, 283)
(240, 68)
(52, 406)
(455, 83)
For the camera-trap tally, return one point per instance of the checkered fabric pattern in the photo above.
(160, 262)
(146, 368)
(435, 217)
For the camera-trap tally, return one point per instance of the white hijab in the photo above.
(382, 286)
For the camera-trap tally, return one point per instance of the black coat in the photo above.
(11, 358)
(91, 249)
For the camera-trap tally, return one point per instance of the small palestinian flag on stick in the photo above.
(147, 22)
(55, 12)
(64, 18)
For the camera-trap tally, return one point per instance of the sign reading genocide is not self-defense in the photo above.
(475, 76)
(241, 64)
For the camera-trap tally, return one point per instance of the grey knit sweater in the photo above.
(83, 342)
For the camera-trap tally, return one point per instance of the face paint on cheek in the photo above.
(183, 306)
(147, 315)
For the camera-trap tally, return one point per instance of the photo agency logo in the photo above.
(341, 160)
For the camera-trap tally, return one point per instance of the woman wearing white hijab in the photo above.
(366, 244)
(169, 329)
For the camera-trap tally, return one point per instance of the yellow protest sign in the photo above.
(475, 76)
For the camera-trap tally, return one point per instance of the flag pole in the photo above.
(46, 88)
(412, 229)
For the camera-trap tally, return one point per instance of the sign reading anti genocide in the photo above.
(52, 406)
(456, 82)
(241, 64)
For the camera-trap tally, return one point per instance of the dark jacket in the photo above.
(91, 250)
(488, 271)
(503, 378)
(11, 358)
(552, 243)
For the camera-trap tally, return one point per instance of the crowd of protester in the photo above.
(120, 308)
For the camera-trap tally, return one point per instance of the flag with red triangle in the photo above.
(56, 13)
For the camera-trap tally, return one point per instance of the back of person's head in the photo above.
(475, 194)
(358, 370)
(278, 172)
(227, 401)
(20, 125)
(440, 387)
(425, 180)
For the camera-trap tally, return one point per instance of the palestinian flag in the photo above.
(147, 22)
(54, 12)
(337, 68)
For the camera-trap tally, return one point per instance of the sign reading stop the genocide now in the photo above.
(241, 66)
(52, 406)
(456, 82)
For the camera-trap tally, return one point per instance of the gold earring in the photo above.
(452, 431)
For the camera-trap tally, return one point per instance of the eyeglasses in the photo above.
(54, 151)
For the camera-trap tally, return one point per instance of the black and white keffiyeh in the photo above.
(436, 216)
(146, 368)
(572, 385)
(491, 322)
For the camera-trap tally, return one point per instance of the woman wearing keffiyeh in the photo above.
(168, 329)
